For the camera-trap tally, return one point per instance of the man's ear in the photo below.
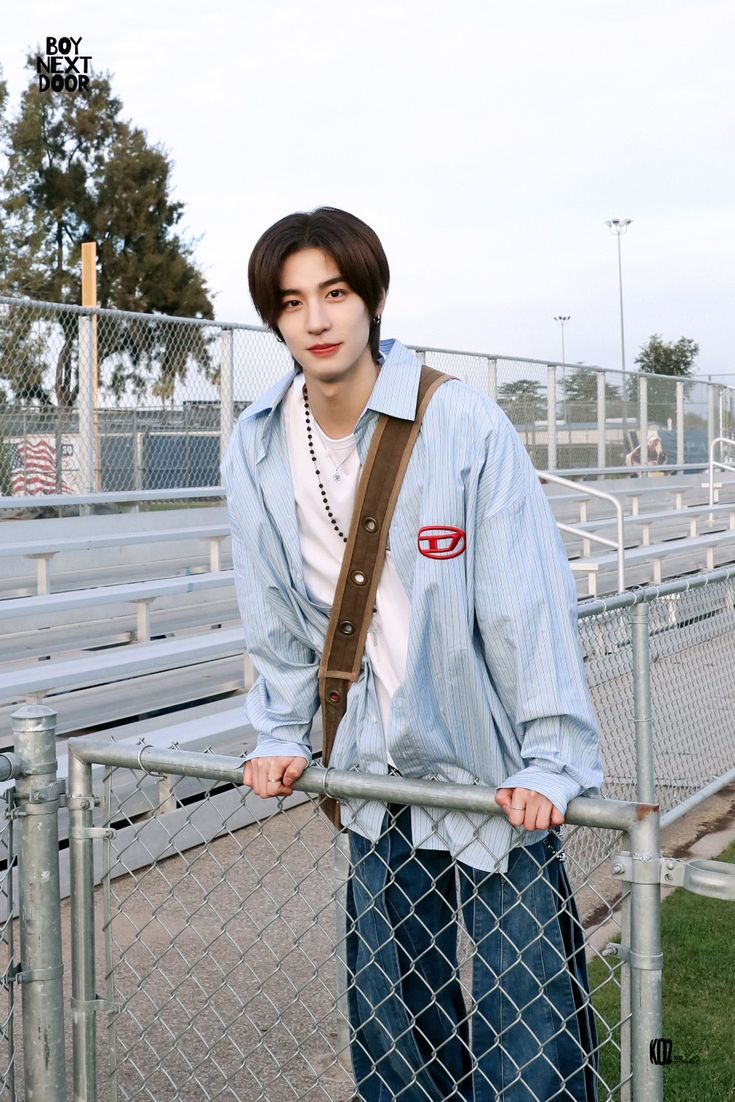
(381, 305)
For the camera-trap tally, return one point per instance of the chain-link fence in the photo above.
(254, 968)
(243, 953)
(687, 684)
(107, 400)
(242, 967)
(226, 976)
(576, 417)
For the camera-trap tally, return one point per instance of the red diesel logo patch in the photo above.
(441, 541)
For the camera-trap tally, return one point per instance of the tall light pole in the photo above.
(562, 319)
(618, 226)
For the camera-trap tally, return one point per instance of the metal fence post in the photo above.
(711, 431)
(601, 420)
(551, 416)
(86, 406)
(226, 407)
(646, 958)
(641, 648)
(492, 378)
(80, 802)
(679, 422)
(643, 418)
(626, 1027)
(41, 974)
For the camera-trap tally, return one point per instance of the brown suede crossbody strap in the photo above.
(354, 597)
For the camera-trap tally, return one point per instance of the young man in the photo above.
(472, 674)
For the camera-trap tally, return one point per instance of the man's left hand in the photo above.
(529, 809)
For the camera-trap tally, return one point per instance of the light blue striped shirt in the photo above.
(495, 690)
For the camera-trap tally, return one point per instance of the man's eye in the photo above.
(291, 302)
(337, 291)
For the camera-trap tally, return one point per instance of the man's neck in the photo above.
(337, 406)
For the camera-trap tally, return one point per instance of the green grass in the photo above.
(698, 942)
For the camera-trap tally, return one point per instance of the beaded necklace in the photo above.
(323, 492)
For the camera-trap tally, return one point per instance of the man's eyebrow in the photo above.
(321, 286)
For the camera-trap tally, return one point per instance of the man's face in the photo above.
(320, 309)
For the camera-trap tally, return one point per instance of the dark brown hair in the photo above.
(352, 245)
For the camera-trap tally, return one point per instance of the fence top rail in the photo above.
(564, 365)
(103, 311)
(317, 781)
(159, 319)
(640, 595)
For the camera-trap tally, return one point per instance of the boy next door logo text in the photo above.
(65, 68)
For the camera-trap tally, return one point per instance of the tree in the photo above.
(668, 360)
(76, 171)
(659, 357)
(522, 401)
(579, 392)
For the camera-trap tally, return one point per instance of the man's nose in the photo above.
(317, 319)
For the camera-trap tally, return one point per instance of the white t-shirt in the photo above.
(322, 547)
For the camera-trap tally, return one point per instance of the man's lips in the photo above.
(323, 349)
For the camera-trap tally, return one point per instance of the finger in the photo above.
(268, 780)
(273, 782)
(294, 771)
(502, 797)
(538, 819)
(257, 776)
(516, 808)
(534, 810)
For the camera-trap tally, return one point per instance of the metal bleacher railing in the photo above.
(102, 400)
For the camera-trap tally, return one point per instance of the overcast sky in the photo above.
(486, 144)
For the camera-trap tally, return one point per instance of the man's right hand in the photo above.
(273, 776)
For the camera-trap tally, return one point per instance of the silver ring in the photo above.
(274, 780)
(514, 808)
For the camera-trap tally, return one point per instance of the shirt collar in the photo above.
(397, 385)
(395, 391)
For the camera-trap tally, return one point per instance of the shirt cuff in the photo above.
(560, 788)
(273, 748)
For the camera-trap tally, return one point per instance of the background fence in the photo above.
(103, 400)
(687, 690)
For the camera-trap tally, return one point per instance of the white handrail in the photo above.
(586, 535)
(719, 464)
(555, 478)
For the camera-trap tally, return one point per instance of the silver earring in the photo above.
(376, 319)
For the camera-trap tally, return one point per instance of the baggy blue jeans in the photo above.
(530, 1036)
